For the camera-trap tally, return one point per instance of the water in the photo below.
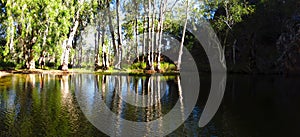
(49, 105)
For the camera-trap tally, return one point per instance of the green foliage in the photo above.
(49, 22)
(234, 10)
(139, 65)
(165, 67)
(172, 67)
(7, 65)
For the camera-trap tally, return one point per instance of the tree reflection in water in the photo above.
(41, 105)
(133, 98)
(47, 105)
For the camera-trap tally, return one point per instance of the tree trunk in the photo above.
(108, 58)
(160, 26)
(66, 53)
(80, 56)
(153, 34)
(75, 61)
(11, 43)
(136, 36)
(144, 31)
(97, 42)
(104, 52)
(68, 47)
(118, 65)
(149, 36)
(30, 64)
(111, 28)
(42, 54)
(183, 35)
(233, 51)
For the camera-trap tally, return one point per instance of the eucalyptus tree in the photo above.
(5, 27)
(104, 41)
(120, 40)
(160, 27)
(132, 25)
(28, 26)
(136, 29)
(234, 10)
(35, 26)
(144, 29)
(152, 34)
(111, 27)
(11, 28)
(150, 66)
(183, 35)
(67, 43)
(85, 13)
(105, 51)
(100, 20)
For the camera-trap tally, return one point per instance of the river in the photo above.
(62, 105)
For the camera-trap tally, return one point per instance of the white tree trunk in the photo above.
(149, 35)
(153, 34)
(160, 26)
(11, 44)
(118, 65)
(66, 53)
(183, 35)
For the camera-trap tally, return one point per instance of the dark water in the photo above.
(47, 105)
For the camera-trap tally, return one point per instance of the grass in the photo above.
(136, 69)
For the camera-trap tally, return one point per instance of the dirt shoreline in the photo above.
(60, 72)
(3, 73)
(36, 71)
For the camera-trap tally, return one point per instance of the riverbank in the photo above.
(3, 73)
(84, 71)
(40, 71)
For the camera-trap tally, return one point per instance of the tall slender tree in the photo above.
(111, 28)
(136, 29)
(149, 36)
(118, 65)
(183, 36)
(160, 28)
(67, 44)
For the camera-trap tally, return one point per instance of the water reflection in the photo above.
(140, 99)
(40, 105)
(261, 106)
(46, 105)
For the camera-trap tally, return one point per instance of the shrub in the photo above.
(172, 67)
(164, 66)
(143, 65)
(139, 65)
(7, 65)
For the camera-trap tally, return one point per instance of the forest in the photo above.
(257, 36)
(147, 68)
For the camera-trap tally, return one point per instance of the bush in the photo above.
(7, 65)
(50, 64)
(172, 67)
(139, 65)
(143, 65)
(164, 66)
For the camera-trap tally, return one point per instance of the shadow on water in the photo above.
(260, 106)
(42, 104)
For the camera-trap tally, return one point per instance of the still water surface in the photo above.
(46, 105)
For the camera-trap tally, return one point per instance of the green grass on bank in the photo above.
(134, 72)
(139, 69)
